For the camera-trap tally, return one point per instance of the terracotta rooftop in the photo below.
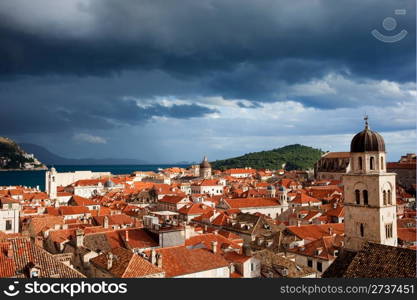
(26, 254)
(374, 261)
(126, 264)
(177, 261)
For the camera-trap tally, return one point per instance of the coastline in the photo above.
(34, 169)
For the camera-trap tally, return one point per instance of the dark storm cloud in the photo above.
(77, 60)
(201, 38)
(49, 113)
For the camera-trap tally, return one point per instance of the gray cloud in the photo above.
(75, 66)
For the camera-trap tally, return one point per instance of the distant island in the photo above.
(291, 157)
(50, 158)
(14, 158)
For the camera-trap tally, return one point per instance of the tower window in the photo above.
(358, 197)
(8, 225)
(365, 197)
(389, 197)
(388, 231)
(372, 163)
(360, 163)
(384, 197)
(362, 230)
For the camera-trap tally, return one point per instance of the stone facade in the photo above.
(370, 200)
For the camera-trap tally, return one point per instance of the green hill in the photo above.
(12, 156)
(295, 157)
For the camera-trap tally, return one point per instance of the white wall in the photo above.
(214, 273)
(13, 216)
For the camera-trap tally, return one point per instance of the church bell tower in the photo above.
(370, 197)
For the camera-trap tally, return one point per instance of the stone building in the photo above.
(332, 166)
(406, 171)
(370, 194)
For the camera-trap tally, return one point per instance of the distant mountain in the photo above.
(12, 156)
(295, 157)
(50, 158)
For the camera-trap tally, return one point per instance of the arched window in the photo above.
(362, 229)
(358, 197)
(365, 197)
(372, 163)
(389, 197)
(384, 197)
(382, 163)
(360, 163)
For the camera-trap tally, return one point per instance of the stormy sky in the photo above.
(168, 81)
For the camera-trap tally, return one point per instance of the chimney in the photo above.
(109, 260)
(153, 257)
(10, 251)
(106, 222)
(39, 241)
(79, 238)
(298, 223)
(247, 251)
(335, 205)
(159, 260)
(127, 235)
(214, 247)
(331, 230)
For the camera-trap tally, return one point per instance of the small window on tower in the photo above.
(384, 197)
(358, 197)
(8, 225)
(362, 230)
(388, 231)
(372, 163)
(365, 197)
(360, 163)
(389, 197)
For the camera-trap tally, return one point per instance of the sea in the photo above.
(37, 178)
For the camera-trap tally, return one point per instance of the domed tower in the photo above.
(370, 199)
(205, 168)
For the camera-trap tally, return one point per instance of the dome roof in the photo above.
(367, 140)
(109, 183)
(205, 163)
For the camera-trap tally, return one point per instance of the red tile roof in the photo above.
(126, 264)
(208, 238)
(251, 202)
(407, 234)
(172, 199)
(314, 231)
(73, 210)
(177, 261)
(302, 198)
(27, 254)
(195, 209)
